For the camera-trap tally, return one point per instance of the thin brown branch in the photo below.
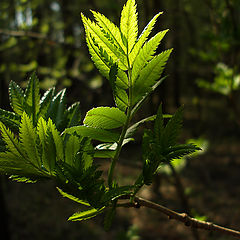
(34, 35)
(182, 217)
(20, 33)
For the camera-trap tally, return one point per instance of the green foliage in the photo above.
(49, 106)
(160, 147)
(225, 82)
(43, 139)
(180, 163)
(127, 53)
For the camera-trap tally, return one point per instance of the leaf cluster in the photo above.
(50, 105)
(160, 145)
(43, 139)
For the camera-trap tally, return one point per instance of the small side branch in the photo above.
(182, 217)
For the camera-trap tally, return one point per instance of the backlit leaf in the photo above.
(16, 97)
(32, 97)
(28, 138)
(129, 24)
(105, 118)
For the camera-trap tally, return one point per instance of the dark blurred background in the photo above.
(204, 75)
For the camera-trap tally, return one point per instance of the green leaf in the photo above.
(32, 97)
(51, 144)
(129, 24)
(146, 54)
(42, 130)
(84, 215)
(103, 62)
(87, 152)
(17, 178)
(94, 133)
(149, 75)
(142, 38)
(10, 119)
(71, 149)
(74, 114)
(104, 154)
(116, 192)
(180, 150)
(144, 97)
(103, 42)
(105, 118)
(121, 99)
(132, 129)
(16, 97)
(28, 139)
(172, 129)
(56, 110)
(2, 145)
(120, 95)
(73, 198)
(110, 29)
(45, 102)
(11, 164)
(57, 140)
(12, 143)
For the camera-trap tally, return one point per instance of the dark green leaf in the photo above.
(45, 102)
(74, 115)
(32, 98)
(16, 97)
(10, 119)
(56, 110)
(172, 129)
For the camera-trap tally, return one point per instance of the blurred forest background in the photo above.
(47, 36)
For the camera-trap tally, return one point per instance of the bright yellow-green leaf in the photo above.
(142, 38)
(129, 24)
(105, 118)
